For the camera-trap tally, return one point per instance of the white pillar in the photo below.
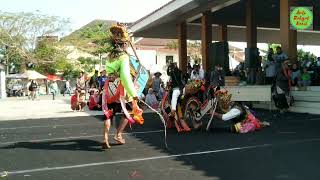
(2, 84)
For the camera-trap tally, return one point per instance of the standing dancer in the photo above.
(118, 62)
(113, 94)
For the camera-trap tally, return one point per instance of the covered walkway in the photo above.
(251, 21)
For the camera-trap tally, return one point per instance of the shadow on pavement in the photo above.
(72, 145)
(285, 156)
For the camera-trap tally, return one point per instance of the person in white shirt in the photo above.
(195, 73)
(228, 110)
(67, 88)
(279, 58)
(201, 73)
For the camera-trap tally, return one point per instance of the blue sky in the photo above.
(82, 12)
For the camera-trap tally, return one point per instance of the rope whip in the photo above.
(161, 117)
(163, 122)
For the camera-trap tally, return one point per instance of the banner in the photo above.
(301, 18)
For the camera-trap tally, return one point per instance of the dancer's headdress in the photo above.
(224, 100)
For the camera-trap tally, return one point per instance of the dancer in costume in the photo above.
(243, 120)
(119, 63)
(112, 94)
(176, 86)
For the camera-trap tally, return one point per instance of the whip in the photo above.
(163, 122)
(161, 117)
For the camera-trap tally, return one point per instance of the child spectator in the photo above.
(295, 75)
(94, 101)
(76, 104)
(305, 78)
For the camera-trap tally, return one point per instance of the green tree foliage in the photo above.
(98, 35)
(193, 49)
(19, 32)
(92, 38)
(303, 55)
(50, 59)
(273, 46)
(87, 64)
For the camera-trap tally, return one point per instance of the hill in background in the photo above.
(81, 40)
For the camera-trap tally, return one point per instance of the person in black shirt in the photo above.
(176, 85)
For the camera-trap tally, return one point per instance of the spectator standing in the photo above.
(270, 68)
(102, 79)
(201, 73)
(67, 88)
(33, 89)
(259, 75)
(282, 88)
(94, 83)
(81, 82)
(279, 58)
(54, 89)
(156, 83)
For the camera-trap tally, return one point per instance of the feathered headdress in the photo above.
(119, 33)
(117, 39)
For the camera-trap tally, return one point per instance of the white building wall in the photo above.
(161, 63)
(146, 57)
(156, 61)
(2, 84)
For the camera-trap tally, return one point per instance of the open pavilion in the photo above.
(251, 21)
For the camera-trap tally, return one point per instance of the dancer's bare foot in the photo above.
(184, 125)
(119, 139)
(179, 129)
(105, 145)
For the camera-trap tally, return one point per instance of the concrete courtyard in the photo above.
(69, 148)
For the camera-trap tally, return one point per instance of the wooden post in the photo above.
(206, 39)
(182, 46)
(223, 33)
(251, 25)
(288, 37)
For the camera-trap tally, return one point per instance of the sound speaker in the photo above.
(219, 54)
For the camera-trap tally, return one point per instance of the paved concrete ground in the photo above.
(17, 108)
(69, 148)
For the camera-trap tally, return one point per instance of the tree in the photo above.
(98, 35)
(19, 32)
(49, 58)
(87, 64)
(193, 49)
(303, 55)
